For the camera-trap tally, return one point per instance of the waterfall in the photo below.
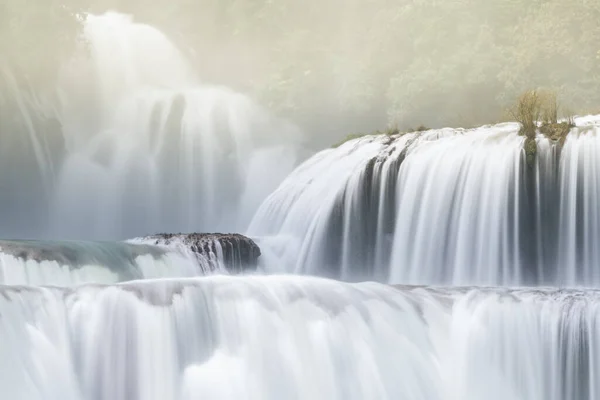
(233, 252)
(29, 149)
(71, 263)
(296, 338)
(449, 206)
(144, 146)
(75, 263)
(429, 265)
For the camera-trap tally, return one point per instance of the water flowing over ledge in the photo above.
(139, 144)
(165, 151)
(235, 251)
(449, 206)
(296, 338)
(67, 263)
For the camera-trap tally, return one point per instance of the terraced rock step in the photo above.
(237, 252)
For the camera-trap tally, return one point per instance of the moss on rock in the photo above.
(556, 131)
(530, 147)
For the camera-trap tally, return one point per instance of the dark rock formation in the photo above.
(239, 252)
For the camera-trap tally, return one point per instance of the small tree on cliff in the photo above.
(527, 112)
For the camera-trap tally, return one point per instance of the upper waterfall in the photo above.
(447, 206)
(144, 146)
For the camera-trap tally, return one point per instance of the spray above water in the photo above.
(146, 147)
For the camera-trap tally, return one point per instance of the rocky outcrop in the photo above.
(237, 252)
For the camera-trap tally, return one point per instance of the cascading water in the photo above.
(442, 207)
(231, 252)
(70, 263)
(144, 147)
(296, 338)
(28, 160)
(75, 263)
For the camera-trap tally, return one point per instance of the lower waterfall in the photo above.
(297, 338)
(71, 263)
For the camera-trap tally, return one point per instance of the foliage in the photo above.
(391, 130)
(540, 108)
(377, 62)
(527, 112)
(355, 63)
(549, 107)
(557, 131)
(36, 36)
(348, 138)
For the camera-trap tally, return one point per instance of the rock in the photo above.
(239, 253)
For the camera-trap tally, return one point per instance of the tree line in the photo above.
(359, 62)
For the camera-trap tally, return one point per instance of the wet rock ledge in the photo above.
(240, 253)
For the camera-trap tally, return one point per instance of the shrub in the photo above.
(557, 131)
(527, 112)
(548, 107)
(551, 127)
(541, 107)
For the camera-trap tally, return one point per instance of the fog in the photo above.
(322, 69)
(337, 67)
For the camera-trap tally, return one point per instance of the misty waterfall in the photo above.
(439, 264)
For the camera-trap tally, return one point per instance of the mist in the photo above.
(338, 67)
(422, 264)
(321, 70)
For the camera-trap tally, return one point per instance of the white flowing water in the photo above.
(74, 263)
(143, 146)
(297, 338)
(443, 206)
